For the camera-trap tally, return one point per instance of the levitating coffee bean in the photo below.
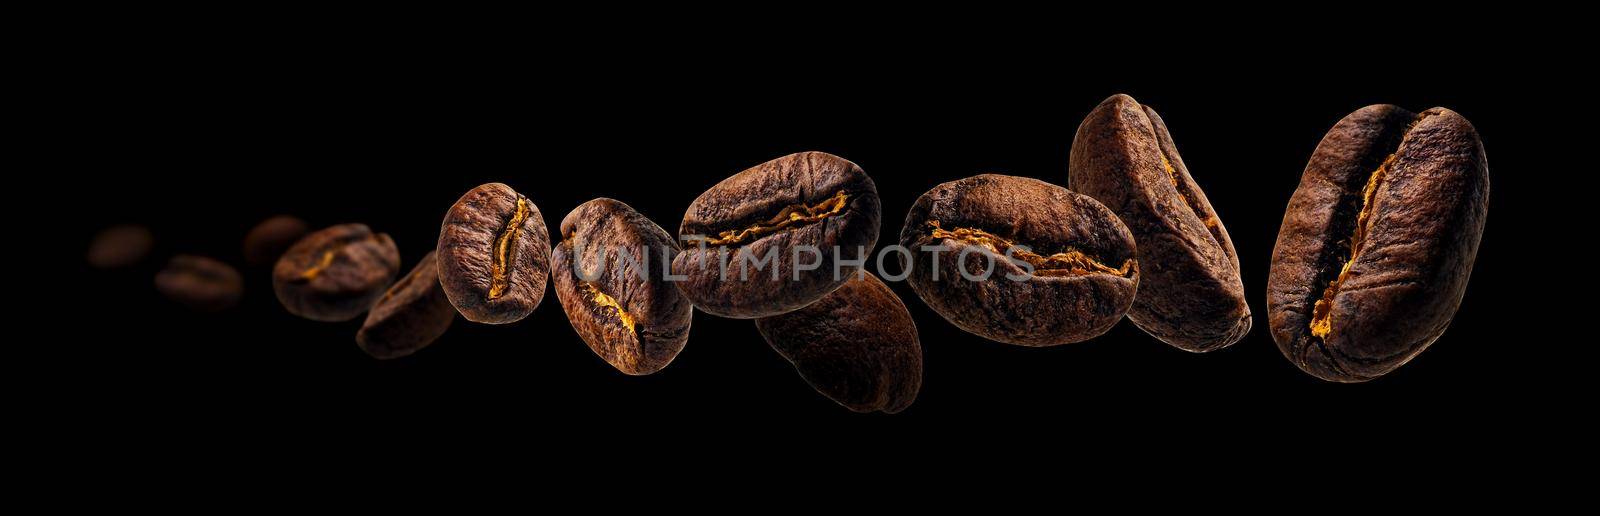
(1378, 242)
(609, 273)
(1019, 260)
(335, 274)
(494, 255)
(858, 346)
(199, 283)
(269, 239)
(410, 316)
(120, 246)
(770, 239)
(1190, 295)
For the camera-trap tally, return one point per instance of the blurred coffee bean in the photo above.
(335, 274)
(199, 283)
(413, 314)
(858, 346)
(269, 239)
(120, 246)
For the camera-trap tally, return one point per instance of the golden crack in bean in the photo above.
(1322, 311)
(505, 250)
(604, 301)
(1071, 262)
(789, 216)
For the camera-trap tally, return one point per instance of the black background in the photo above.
(200, 144)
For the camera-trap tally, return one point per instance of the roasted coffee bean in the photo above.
(1019, 260)
(335, 274)
(199, 283)
(269, 239)
(120, 246)
(410, 316)
(782, 228)
(494, 255)
(1378, 242)
(858, 346)
(1190, 295)
(609, 273)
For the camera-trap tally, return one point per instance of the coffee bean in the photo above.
(410, 316)
(858, 346)
(1190, 295)
(1060, 266)
(120, 246)
(199, 283)
(1378, 242)
(609, 273)
(494, 255)
(782, 228)
(335, 274)
(269, 239)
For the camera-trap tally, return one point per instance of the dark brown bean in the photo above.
(335, 274)
(1378, 242)
(494, 255)
(625, 310)
(1190, 295)
(1082, 259)
(858, 346)
(199, 283)
(120, 246)
(789, 210)
(269, 239)
(410, 316)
